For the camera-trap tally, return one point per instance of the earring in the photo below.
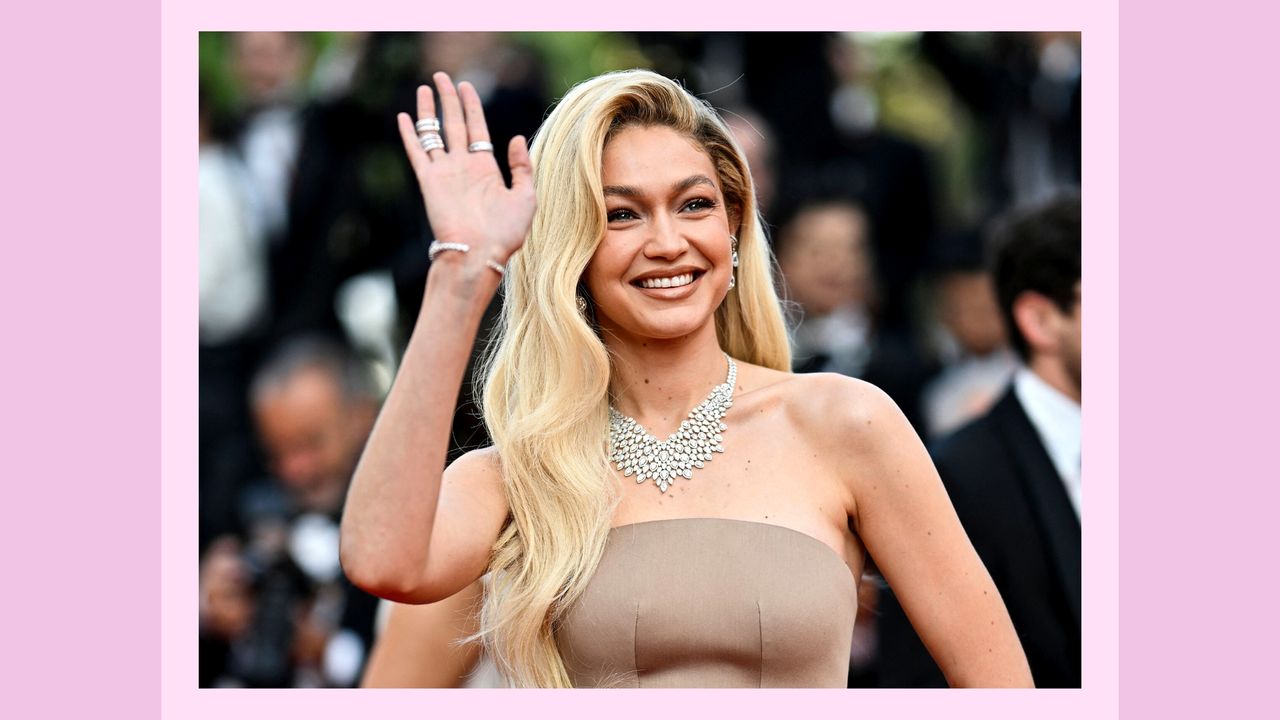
(582, 305)
(733, 256)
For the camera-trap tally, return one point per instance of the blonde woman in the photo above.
(639, 305)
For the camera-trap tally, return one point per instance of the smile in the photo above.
(667, 282)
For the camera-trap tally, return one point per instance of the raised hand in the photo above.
(466, 198)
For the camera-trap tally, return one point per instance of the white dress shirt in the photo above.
(1056, 419)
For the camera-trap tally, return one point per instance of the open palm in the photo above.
(466, 198)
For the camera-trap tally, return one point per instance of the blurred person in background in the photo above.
(846, 150)
(348, 209)
(334, 70)
(268, 67)
(970, 339)
(824, 254)
(226, 609)
(233, 271)
(313, 407)
(1014, 474)
(1023, 91)
(246, 166)
(233, 315)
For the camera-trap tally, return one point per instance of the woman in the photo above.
(643, 289)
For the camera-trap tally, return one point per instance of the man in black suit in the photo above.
(1014, 474)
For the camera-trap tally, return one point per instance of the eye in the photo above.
(700, 204)
(620, 215)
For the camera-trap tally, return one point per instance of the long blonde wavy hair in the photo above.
(545, 398)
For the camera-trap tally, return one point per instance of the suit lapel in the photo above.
(1045, 493)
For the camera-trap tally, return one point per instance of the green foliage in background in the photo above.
(572, 57)
(217, 79)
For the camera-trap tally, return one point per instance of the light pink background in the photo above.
(96, 652)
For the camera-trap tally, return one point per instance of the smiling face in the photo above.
(663, 266)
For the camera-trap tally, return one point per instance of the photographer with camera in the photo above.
(278, 611)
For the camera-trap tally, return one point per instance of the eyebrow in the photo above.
(632, 192)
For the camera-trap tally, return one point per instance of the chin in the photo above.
(671, 324)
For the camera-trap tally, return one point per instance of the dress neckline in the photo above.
(809, 538)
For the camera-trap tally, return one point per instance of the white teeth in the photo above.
(667, 282)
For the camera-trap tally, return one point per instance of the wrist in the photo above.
(461, 277)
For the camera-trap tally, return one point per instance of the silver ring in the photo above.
(480, 146)
(427, 125)
(431, 141)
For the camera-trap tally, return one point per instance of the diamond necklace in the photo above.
(636, 452)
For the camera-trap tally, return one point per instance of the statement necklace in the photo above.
(636, 452)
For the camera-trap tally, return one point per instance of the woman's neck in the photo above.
(657, 382)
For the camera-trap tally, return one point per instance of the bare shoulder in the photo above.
(856, 424)
(843, 406)
(832, 412)
(844, 428)
(478, 474)
(481, 461)
(825, 405)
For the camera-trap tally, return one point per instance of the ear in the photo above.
(1039, 320)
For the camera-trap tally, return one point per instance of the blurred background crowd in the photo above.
(879, 160)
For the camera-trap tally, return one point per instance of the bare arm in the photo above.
(907, 523)
(418, 648)
(410, 532)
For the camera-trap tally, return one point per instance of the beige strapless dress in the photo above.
(703, 603)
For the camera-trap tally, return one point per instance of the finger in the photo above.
(417, 158)
(426, 111)
(477, 128)
(455, 127)
(426, 103)
(521, 166)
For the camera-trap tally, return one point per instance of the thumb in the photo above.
(521, 166)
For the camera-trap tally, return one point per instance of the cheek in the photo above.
(607, 266)
(592, 278)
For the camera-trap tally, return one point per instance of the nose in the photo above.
(665, 240)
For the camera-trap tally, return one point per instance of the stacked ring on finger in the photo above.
(427, 126)
(431, 141)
